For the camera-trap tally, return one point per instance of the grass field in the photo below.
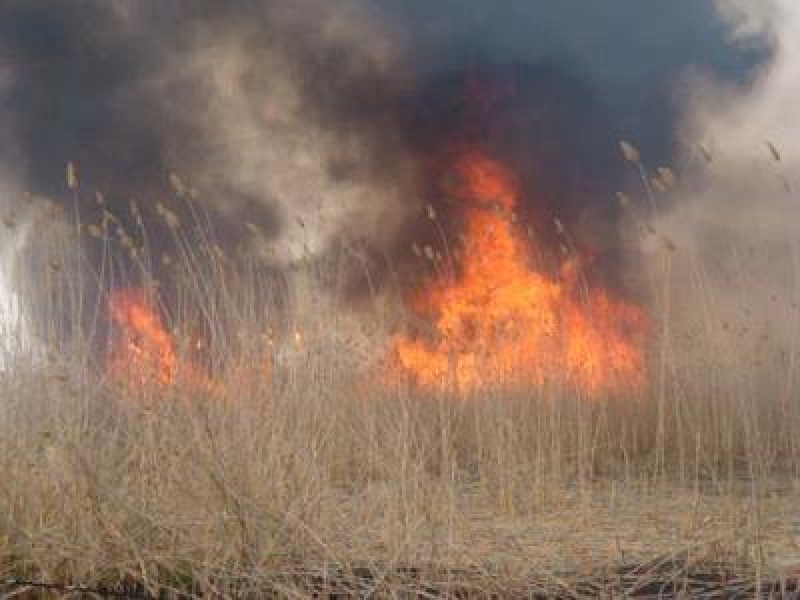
(292, 460)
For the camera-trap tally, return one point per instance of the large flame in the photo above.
(497, 320)
(144, 350)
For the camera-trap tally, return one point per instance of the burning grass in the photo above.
(498, 319)
(303, 464)
(145, 350)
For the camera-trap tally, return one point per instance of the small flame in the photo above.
(498, 321)
(144, 349)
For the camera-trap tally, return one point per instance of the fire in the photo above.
(144, 350)
(495, 319)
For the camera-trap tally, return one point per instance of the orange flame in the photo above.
(144, 350)
(498, 321)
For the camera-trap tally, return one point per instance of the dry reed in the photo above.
(305, 459)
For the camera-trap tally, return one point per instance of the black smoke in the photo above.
(132, 92)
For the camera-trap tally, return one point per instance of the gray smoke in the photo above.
(255, 103)
(733, 221)
(300, 124)
(295, 113)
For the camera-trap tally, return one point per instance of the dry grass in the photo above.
(317, 466)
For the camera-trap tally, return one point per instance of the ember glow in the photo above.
(144, 350)
(497, 320)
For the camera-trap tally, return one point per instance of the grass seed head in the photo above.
(667, 177)
(72, 177)
(774, 151)
(629, 151)
(177, 184)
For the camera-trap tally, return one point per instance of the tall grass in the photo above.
(307, 455)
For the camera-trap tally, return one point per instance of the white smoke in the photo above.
(734, 221)
(14, 330)
(738, 123)
(746, 190)
(15, 334)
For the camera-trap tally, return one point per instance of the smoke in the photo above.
(279, 115)
(279, 120)
(750, 126)
(14, 330)
(311, 112)
(298, 125)
(734, 220)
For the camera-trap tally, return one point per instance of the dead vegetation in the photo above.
(318, 471)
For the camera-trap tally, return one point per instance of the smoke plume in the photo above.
(733, 221)
(279, 115)
(298, 125)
